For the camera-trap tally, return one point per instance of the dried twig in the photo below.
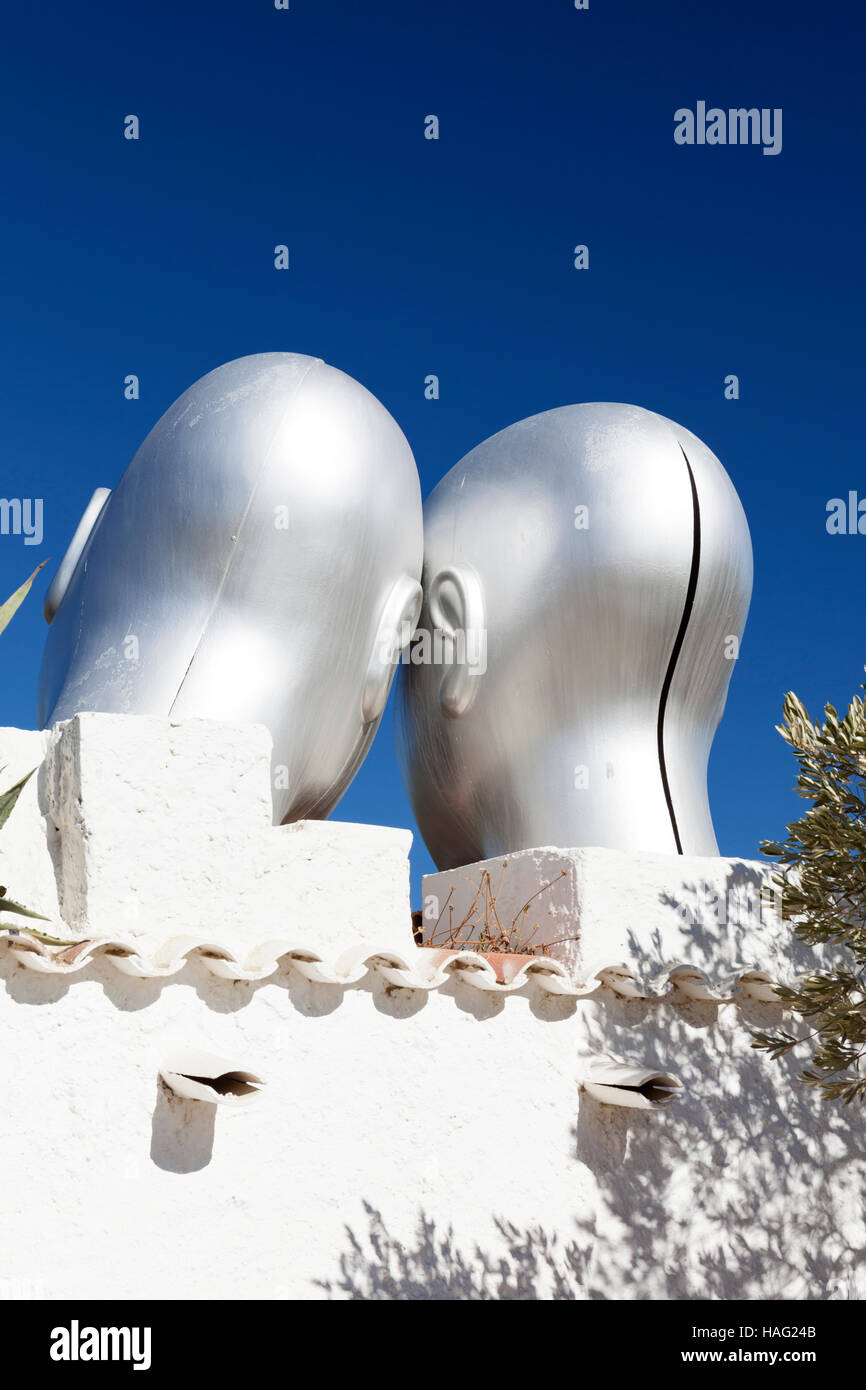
(481, 928)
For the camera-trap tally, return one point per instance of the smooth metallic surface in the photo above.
(603, 551)
(65, 570)
(258, 560)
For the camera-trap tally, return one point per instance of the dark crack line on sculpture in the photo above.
(677, 647)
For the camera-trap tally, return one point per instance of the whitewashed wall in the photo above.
(409, 1143)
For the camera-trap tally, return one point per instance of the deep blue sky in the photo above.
(409, 257)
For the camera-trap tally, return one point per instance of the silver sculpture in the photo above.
(258, 560)
(603, 554)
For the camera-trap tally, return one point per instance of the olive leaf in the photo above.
(824, 897)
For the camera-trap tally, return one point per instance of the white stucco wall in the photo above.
(409, 1142)
(434, 1140)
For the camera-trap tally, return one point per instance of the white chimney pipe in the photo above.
(197, 1075)
(635, 1087)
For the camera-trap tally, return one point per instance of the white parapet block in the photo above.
(26, 864)
(591, 908)
(147, 830)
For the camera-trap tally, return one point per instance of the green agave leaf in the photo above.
(8, 799)
(11, 606)
(33, 931)
(10, 905)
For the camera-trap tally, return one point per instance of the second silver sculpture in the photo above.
(587, 573)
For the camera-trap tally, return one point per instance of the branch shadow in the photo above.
(378, 1267)
(749, 1187)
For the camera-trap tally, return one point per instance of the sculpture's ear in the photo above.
(456, 602)
(396, 625)
(60, 583)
